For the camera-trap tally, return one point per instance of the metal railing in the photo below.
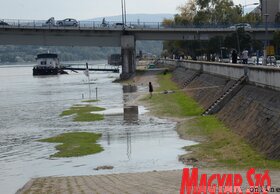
(15, 23)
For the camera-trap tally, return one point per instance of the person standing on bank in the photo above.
(245, 56)
(151, 89)
(234, 56)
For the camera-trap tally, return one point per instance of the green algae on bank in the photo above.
(75, 144)
(219, 146)
(82, 113)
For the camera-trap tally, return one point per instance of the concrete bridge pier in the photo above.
(128, 56)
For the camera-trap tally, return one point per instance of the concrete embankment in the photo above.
(162, 182)
(253, 113)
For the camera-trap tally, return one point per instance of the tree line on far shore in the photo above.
(17, 54)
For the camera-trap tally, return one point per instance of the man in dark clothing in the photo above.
(234, 56)
(151, 89)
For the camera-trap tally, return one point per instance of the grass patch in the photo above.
(83, 113)
(88, 117)
(220, 146)
(90, 101)
(223, 147)
(176, 104)
(75, 144)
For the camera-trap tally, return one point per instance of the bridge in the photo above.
(19, 32)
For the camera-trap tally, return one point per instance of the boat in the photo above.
(47, 64)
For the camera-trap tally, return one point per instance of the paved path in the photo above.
(134, 183)
(161, 182)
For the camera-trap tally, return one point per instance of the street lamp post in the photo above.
(122, 12)
(243, 15)
(123, 4)
(266, 35)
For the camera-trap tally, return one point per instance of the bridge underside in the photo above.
(46, 37)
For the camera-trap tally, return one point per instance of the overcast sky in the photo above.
(87, 9)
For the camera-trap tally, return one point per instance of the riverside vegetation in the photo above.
(78, 143)
(219, 146)
(75, 144)
(82, 113)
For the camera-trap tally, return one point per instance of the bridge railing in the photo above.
(90, 24)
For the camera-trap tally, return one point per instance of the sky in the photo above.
(87, 9)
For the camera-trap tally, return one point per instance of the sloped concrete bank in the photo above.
(253, 113)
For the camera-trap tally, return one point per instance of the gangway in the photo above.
(82, 67)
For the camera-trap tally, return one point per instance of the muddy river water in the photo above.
(30, 108)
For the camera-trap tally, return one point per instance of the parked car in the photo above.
(50, 22)
(277, 63)
(252, 60)
(277, 57)
(67, 22)
(271, 60)
(241, 25)
(118, 25)
(2, 23)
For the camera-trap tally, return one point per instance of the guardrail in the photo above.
(264, 76)
(15, 23)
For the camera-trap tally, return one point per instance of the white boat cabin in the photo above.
(48, 60)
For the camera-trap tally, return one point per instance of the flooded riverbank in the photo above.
(30, 106)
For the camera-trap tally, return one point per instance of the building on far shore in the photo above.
(271, 8)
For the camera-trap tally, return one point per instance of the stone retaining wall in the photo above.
(253, 113)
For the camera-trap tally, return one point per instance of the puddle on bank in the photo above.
(124, 110)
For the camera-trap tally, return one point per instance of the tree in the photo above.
(217, 12)
(187, 12)
(168, 22)
(276, 40)
(240, 40)
(210, 12)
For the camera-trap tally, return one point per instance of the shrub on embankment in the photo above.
(253, 113)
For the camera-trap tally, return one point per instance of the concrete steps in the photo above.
(225, 97)
(189, 80)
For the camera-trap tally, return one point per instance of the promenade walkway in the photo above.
(156, 182)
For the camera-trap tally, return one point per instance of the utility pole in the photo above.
(122, 12)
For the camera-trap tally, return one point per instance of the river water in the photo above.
(30, 108)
